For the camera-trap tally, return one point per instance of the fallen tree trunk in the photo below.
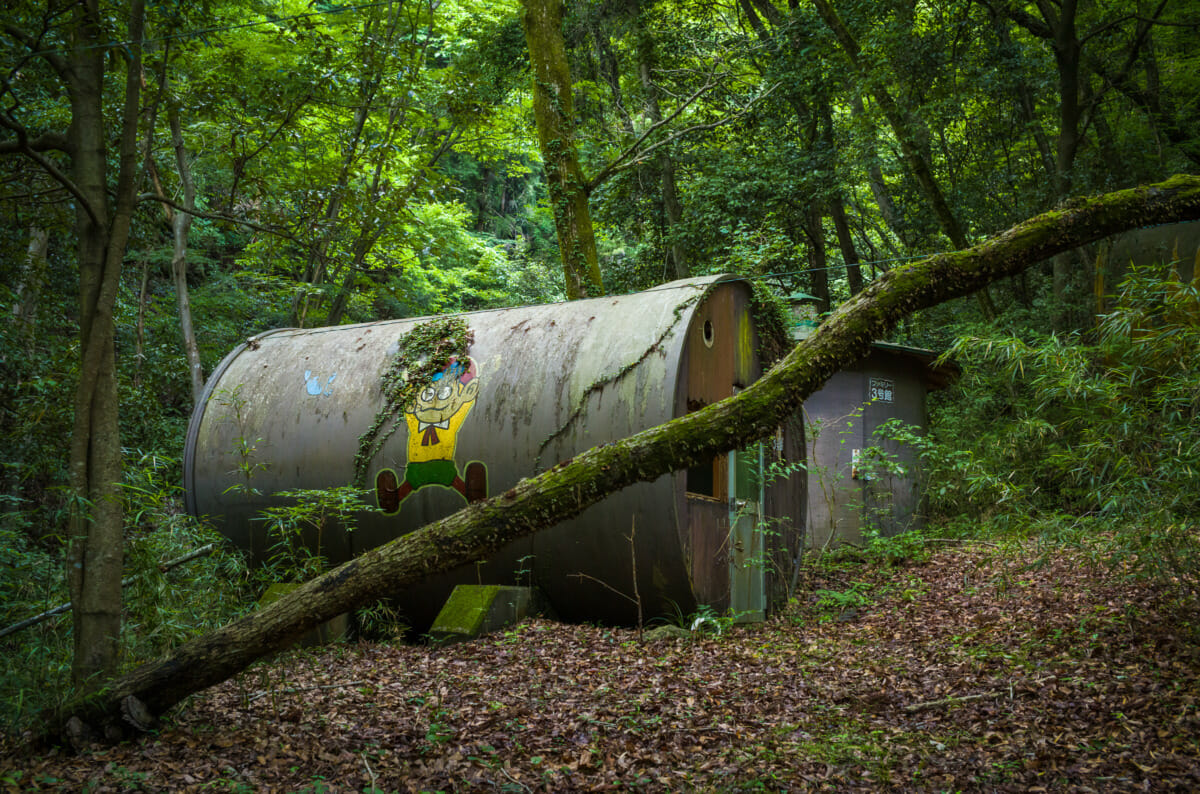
(560, 493)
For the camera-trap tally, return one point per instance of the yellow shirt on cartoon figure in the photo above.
(435, 441)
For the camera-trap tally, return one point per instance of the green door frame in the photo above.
(747, 557)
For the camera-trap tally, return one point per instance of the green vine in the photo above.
(421, 353)
(598, 385)
(773, 320)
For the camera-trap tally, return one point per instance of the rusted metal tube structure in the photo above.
(286, 410)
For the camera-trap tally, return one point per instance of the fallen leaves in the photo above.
(975, 671)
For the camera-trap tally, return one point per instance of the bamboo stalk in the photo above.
(203, 551)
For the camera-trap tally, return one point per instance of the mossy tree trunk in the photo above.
(554, 112)
(571, 486)
(96, 522)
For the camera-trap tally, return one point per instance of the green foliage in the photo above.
(455, 271)
(35, 663)
(907, 547)
(165, 607)
(162, 606)
(378, 162)
(1093, 427)
(297, 530)
(38, 369)
(852, 597)
(1101, 425)
(707, 621)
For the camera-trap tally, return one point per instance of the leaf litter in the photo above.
(975, 671)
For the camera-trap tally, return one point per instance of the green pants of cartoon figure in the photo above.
(431, 472)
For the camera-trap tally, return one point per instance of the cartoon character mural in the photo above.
(433, 420)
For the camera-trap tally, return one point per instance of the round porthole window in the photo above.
(708, 333)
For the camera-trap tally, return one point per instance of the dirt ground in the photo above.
(978, 670)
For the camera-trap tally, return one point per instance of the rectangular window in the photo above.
(711, 480)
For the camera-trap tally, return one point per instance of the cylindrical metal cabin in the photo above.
(286, 410)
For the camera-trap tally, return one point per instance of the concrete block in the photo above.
(474, 610)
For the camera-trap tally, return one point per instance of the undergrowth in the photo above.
(163, 605)
(1089, 440)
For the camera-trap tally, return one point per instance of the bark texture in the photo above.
(554, 112)
(96, 522)
(572, 485)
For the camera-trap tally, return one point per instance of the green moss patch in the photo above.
(474, 610)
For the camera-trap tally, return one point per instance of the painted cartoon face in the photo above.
(449, 391)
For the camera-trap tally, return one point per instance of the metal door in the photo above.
(747, 553)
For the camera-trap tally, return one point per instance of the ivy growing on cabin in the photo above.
(420, 354)
(773, 321)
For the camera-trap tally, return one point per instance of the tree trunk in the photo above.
(883, 199)
(29, 290)
(818, 269)
(565, 490)
(907, 135)
(554, 112)
(837, 209)
(672, 206)
(96, 521)
(1066, 58)
(181, 224)
(846, 242)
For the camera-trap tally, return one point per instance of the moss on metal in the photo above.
(420, 354)
(624, 370)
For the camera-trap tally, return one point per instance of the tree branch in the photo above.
(22, 145)
(214, 216)
(623, 160)
(610, 169)
(643, 155)
(46, 142)
(1026, 20)
(567, 489)
(51, 56)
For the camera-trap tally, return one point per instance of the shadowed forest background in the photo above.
(176, 178)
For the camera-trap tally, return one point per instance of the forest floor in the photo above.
(978, 670)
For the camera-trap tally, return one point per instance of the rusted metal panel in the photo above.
(716, 365)
(542, 383)
(842, 419)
